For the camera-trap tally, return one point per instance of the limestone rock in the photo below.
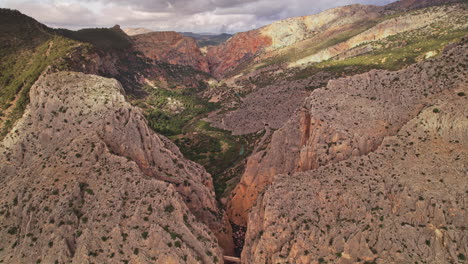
(85, 180)
(349, 117)
(171, 47)
(403, 203)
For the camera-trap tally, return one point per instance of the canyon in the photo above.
(338, 137)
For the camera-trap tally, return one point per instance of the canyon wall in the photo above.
(85, 179)
(349, 117)
(402, 203)
(171, 47)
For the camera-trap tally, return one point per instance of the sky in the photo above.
(214, 16)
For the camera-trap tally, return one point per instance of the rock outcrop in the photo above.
(239, 49)
(349, 117)
(256, 45)
(403, 203)
(405, 5)
(136, 31)
(85, 179)
(390, 27)
(171, 47)
(269, 106)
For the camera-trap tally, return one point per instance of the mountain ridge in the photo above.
(151, 148)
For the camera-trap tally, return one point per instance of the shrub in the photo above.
(169, 209)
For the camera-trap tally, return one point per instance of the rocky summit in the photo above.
(336, 137)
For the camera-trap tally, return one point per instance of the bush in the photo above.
(169, 209)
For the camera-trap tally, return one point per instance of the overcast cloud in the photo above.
(179, 15)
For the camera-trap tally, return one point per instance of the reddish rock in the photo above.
(238, 49)
(171, 47)
(350, 117)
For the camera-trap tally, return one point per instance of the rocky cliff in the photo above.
(171, 47)
(240, 48)
(136, 31)
(390, 27)
(349, 117)
(245, 48)
(403, 203)
(85, 179)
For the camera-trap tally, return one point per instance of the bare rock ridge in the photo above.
(171, 47)
(238, 49)
(349, 117)
(402, 203)
(405, 5)
(84, 179)
(313, 35)
(136, 31)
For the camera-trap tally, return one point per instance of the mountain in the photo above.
(208, 39)
(136, 31)
(338, 137)
(171, 47)
(318, 133)
(87, 180)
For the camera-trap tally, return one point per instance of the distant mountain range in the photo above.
(203, 39)
(339, 137)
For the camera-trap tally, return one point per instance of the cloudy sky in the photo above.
(179, 15)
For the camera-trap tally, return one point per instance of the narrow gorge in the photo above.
(338, 137)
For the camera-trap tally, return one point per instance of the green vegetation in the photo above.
(461, 257)
(18, 72)
(216, 149)
(168, 111)
(404, 50)
(101, 38)
(321, 43)
(394, 52)
(178, 114)
(169, 209)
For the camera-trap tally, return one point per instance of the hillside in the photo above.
(320, 133)
(399, 204)
(338, 137)
(205, 40)
(78, 186)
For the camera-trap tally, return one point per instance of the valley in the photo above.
(339, 137)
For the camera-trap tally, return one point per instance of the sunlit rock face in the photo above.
(171, 47)
(350, 117)
(84, 178)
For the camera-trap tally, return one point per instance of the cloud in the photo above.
(179, 15)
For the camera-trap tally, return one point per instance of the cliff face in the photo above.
(84, 178)
(403, 203)
(405, 5)
(380, 31)
(290, 31)
(239, 49)
(171, 47)
(256, 45)
(136, 31)
(349, 117)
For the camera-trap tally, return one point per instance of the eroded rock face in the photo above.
(269, 106)
(405, 5)
(171, 47)
(385, 29)
(238, 49)
(290, 31)
(136, 31)
(260, 44)
(84, 179)
(403, 203)
(349, 117)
